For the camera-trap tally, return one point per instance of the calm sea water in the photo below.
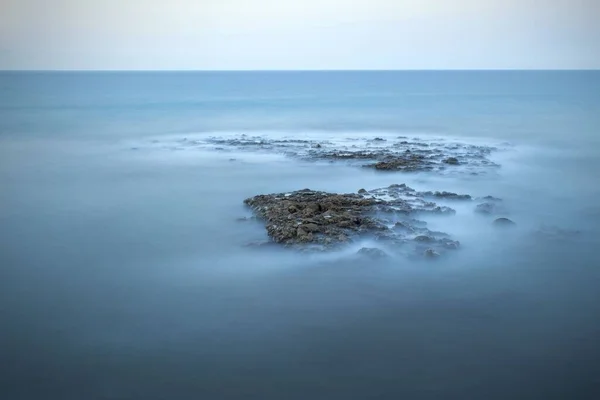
(123, 271)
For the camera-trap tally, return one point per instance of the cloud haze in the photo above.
(288, 34)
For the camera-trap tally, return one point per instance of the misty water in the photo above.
(125, 273)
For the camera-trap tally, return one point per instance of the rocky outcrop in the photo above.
(308, 219)
(406, 162)
(315, 220)
(308, 216)
(447, 195)
(379, 153)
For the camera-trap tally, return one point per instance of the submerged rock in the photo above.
(372, 253)
(491, 198)
(485, 208)
(423, 238)
(430, 253)
(547, 232)
(260, 245)
(382, 154)
(503, 222)
(447, 195)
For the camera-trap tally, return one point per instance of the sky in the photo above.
(299, 34)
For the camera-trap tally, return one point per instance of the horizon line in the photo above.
(311, 70)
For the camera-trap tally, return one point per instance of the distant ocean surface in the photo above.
(125, 273)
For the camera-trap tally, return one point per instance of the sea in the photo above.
(127, 273)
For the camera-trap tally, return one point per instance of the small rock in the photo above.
(430, 253)
(424, 239)
(362, 191)
(451, 196)
(372, 253)
(503, 222)
(491, 198)
(451, 244)
(346, 224)
(451, 161)
(485, 208)
(311, 209)
(310, 227)
(300, 232)
(401, 227)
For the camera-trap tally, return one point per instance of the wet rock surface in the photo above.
(447, 195)
(390, 154)
(408, 162)
(308, 219)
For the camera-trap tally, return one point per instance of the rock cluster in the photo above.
(315, 220)
(399, 155)
(320, 220)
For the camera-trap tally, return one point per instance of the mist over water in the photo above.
(125, 274)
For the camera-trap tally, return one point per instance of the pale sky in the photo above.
(299, 34)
